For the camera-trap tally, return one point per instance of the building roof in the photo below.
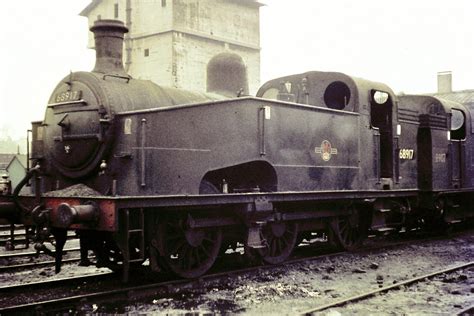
(463, 96)
(248, 2)
(22, 159)
(85, 12)
(5, 160)
(90, 7)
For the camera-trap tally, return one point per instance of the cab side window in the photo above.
(458, 125)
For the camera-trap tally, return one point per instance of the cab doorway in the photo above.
(381, 122)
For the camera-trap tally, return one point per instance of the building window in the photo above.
(163, 3)
(116, 10)
(147, 52)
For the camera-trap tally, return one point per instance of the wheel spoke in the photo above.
(177, 247)
(196, 256)
(273, 248)
(205, 251)
(280, 246)
(184, 259)
(343, 230)
(188, 253)
(280, 243)
(209, 240)
(170, 239)
(347, 234)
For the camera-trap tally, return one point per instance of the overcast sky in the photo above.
(403, 43)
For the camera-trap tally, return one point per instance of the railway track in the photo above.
(18, 261)
(125, 292)
(467, 312)
(17, 288)
(122, 292)
(13, 235)
(22, 266)
(31, 253)
(20, 238)
(385, 289)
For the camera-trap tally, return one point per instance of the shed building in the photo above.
(171, 42)
(13, 165)
(445, 91)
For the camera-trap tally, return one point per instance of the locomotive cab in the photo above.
(441, 139)
(373, 123)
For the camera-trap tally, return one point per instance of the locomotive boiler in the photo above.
(178, 177)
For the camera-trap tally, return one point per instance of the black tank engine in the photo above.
(179, 177)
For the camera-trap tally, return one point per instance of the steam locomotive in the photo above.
(178, 177)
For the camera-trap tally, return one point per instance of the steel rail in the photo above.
(6, 268)
(385, 289)
(467, 312)
(56, 282)
(20, 236)
(32, 253)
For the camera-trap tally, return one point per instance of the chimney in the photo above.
(445, 82)
(109, 36)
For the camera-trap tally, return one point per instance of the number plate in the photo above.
(407, 154)
(67, 96)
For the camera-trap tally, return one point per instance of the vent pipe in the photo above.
(109, 36)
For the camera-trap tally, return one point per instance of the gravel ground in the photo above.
(47, 273)
(44, 273)
(293, 289)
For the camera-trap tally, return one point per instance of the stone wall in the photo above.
(172, 41)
